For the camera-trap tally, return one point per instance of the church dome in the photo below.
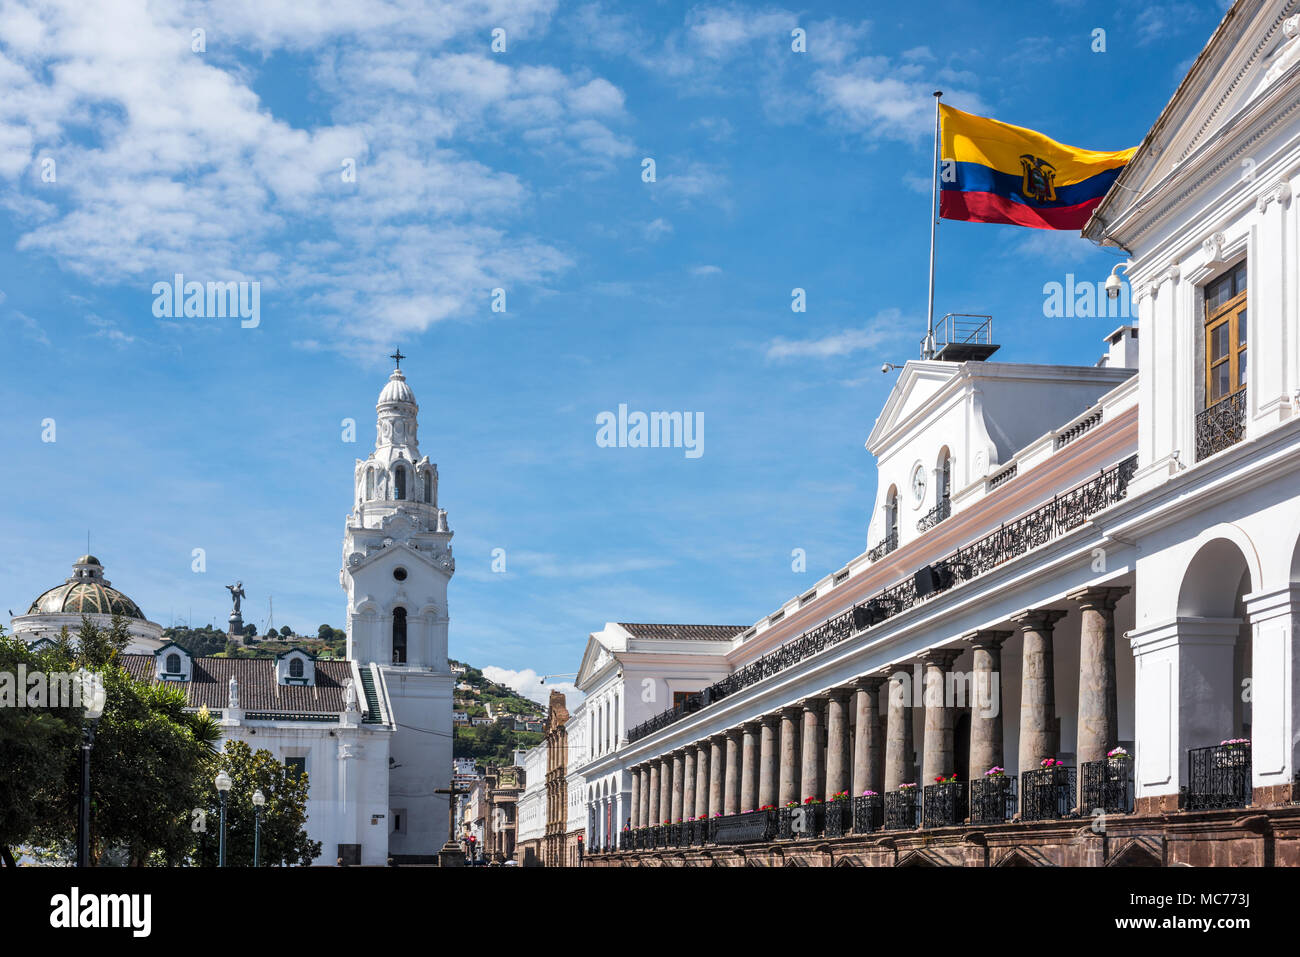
(397, 390)
(87, 592)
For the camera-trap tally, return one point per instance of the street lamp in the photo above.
(93, 696)
(258, 800)
(223, 785)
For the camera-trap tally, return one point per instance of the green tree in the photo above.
(286, 632)
(149, 757)
(38, 744)
(284, 817)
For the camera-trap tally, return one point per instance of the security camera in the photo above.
(885, 368)
(1113, 282)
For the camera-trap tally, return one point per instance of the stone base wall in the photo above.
(1249, 837)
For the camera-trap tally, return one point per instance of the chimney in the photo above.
(1121, 349)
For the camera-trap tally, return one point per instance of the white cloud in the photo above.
(706, 270)
(887, 327)
(657, 229)
(529, 684)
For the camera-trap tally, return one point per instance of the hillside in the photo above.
(493, 743)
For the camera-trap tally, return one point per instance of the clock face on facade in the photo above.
(918, 484)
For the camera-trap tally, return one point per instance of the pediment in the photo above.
(594, 657)
(917, 384)
(1254, 47)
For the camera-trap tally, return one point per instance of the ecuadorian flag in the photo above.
(998, 173)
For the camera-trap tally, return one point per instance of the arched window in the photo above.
(428, 487)
(173, 664)
(370, 484)
(399, 483)
(295, 668)
(944, 490)
(399, 636)
(891, 518)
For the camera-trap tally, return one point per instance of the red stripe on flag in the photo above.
(991, 208)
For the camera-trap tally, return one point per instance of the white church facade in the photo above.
(373, 731)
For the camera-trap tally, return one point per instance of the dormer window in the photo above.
(295, 667)
(173, 665)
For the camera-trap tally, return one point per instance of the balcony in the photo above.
(1221, 426)
(1218, 776)
(961, 337)
(1047, 793)
(868, 813)
(1107, 786)
(800, 821)
(750, 828)
(886, 545)
(944, 805)
(903, 810)
(839, 818)
(992, 799)
(936, 515)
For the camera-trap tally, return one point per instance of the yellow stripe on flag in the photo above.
(968, 138)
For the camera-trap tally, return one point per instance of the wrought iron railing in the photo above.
(883, 547)
(838, 818)
(936, 515)
(902, 810)
(1218, 777)
(1106, 785)
(747, 828)
(1221, 426)
(944, 805)
(1047, 793)
(1062, 514)
(992, 799)
(868, 813)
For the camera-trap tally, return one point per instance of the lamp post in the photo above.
(223, 785)
(93, 695)
(258, 800)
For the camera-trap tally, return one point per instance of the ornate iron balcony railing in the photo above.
(1047, 793)
(992, 799)
(748, 828)
(1107, 785)
(944, 805)
(838, 819)
(884, 547)
(936, 515)
(1221, 426)
(1218, 777)
(1062, 514)
(903, 810)
(868, 813)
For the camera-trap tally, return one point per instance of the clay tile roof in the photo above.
(683, 632)
(258, 689)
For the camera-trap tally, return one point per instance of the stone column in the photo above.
(665, 789)
(986, 702)
(678, 788)
(1098, 704)
(869, 738)
(810, 778)
(749, 767)
(731, 789)
(636, 797)
(900, 761)
(768, 775)
(937, 757)
(688, 783)
(717, 773)
(837, 743)
(1040, 729)
(702, 808)
(789, 774)
(653, 807)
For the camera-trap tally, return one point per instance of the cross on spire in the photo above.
(398, 357)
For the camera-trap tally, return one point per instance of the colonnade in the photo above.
(812, 749)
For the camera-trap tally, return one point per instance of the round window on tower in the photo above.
(399, 574)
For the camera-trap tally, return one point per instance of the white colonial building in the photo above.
(1083, 587)
(373, 731)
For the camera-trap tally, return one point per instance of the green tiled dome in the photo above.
(86, 593)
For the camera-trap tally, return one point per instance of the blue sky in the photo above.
(519, 170)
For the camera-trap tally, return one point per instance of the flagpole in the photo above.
(928, 351)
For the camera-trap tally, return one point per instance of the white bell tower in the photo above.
(397, 562)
